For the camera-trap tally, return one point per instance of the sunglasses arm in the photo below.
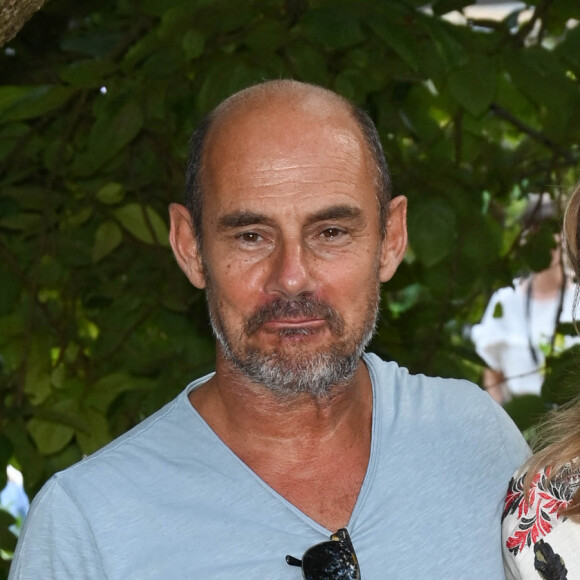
(293, 561)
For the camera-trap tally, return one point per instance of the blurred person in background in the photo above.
(541, 520)
(13, 498)
(520, 321)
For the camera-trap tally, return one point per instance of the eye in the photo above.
(249, 237)
(332, 233)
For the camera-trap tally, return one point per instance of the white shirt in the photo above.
(534, 535)
(503, 342)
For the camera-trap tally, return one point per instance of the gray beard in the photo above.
(287, 375)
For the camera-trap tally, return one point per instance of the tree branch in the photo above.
(533, 133)
(13, 16)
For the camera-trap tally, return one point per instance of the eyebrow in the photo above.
(336, 212)
(240, 219)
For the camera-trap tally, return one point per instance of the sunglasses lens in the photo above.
(330, 561)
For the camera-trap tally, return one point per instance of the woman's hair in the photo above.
(559, 434)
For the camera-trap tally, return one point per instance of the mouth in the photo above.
(302, 316)
(294, 325)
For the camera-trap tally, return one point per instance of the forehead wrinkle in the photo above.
(269, 178)
(290, 153)
(279, 170)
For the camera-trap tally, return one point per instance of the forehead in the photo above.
(284, 151)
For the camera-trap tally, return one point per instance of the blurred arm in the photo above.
(494, 384)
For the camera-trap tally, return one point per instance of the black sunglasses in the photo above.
(332, 560)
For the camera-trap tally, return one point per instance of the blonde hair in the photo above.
(559, 434)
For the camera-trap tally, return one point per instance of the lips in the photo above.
(308, 324)
(302, 315)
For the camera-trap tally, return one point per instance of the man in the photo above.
(298, 434)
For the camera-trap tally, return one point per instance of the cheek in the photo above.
(349, 288)
(237, 289)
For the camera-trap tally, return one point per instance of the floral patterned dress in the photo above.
(537, 542)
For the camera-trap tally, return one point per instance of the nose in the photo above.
(289, 274)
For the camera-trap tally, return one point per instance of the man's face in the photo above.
(292, 252)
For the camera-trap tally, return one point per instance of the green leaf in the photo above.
(49, 436)
(77, 219)
(47, 271)
(96, 432)
(353, 84)
(144, 223)
(28, 196)
(159, 7)
(473, 85)
(215, 87)
(398, 34)
(307, 63)
(432, 231)
(38, 371)
(53, 427)
(176, 20)
(6, 451)
(7, 538)
(193, 44)
(108, 388)
(525, 410)
(140, 50)
(9, 289)
(111, 193)
(333, 26)
(540, 75)
(107, 238)
(566, 329)
(569, 49)
(267, 36)
(87, 73)
(109, 135)
(19, 102)
(96, 42)
(562, 382)
(447, 46)
(441, 7)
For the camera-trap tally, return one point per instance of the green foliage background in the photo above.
(98, 327)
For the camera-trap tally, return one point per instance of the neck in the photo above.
(233, 406)
(297, 446)
(547, 283)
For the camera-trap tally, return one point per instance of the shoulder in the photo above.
(56, 540)
(446, 390)
(548, 495)
(501, 322)
(532, 527)
(508, 294)
(456, 401)
(454, 419)
(135, 453)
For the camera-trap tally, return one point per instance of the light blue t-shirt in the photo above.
(168, 500)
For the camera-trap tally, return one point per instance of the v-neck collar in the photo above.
(371, 466)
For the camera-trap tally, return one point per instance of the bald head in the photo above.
(274, 106)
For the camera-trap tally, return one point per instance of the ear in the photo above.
(395, 241)
(184, 244)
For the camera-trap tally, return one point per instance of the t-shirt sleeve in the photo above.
(515, 450)
(56, 541)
